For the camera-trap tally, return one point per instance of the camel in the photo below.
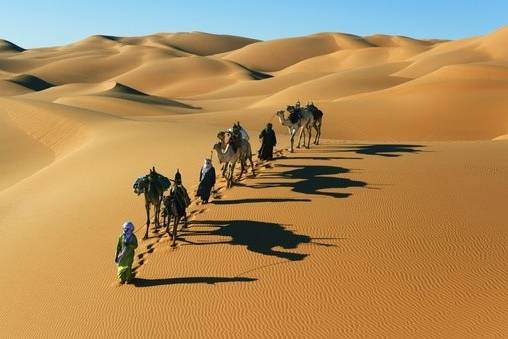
(304, 125)
(170, 211)
(318, 121)
(153, 191)
(229, 157)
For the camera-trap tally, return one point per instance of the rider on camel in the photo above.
(296, 114)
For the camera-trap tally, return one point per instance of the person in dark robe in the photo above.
(206, 181)
(179, 193)
(268, 142)
(296, 114)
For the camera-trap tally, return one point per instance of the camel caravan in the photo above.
(233, 147)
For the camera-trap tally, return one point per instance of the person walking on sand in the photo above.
(124, 257)
(206, 181)
(268, 141)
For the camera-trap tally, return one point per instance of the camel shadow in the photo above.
(258, 237)
(383, 150)
(142, 282)
(318, 157)
(313, 179)
(256, 200)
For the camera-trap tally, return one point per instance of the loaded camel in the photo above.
(230, 152)
(153, 190)
(174, 206)
(309, 117)
(302, 125)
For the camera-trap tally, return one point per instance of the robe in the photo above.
(268, 141)
(206, 183)
(127, 258)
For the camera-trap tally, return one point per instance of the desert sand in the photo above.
(395, 226)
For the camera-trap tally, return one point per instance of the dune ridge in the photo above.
(7, 46)
(188, 70)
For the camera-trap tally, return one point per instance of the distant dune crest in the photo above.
(7, 46)
(394, 87)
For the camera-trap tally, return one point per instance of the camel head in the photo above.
(290, 108)
(227, 136)
(280, 114)
(221, 135)
(140, 185)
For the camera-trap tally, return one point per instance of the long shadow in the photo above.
(384, 150)
(141, 282)
(259, 237)
(318, 157)
(313, 180)
(254, 200)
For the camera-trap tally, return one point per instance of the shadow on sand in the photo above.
(383, 150)
(313, 157)
(142, 282)
(312, 179)
(258, 237)
(255, 200)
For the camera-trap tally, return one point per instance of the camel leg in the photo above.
(302, 133)
(175, 227)
(229, 176)
(309, 130)
(168, 222)
(318, 130)
(252, 165)
(147, 208)
(233, 172)
(300, 138)
(156, 216)
(242, 168)
(292, 139)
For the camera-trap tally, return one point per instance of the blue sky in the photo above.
(47, 23)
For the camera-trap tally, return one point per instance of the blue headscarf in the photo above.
(128, 230)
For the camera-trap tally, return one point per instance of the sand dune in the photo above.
(269, 56)
(341, 84)
(9, 88)
(387, 229)
(193, 43)
(7, 46)
(31, 82)
(217, 73)
(480, 49)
